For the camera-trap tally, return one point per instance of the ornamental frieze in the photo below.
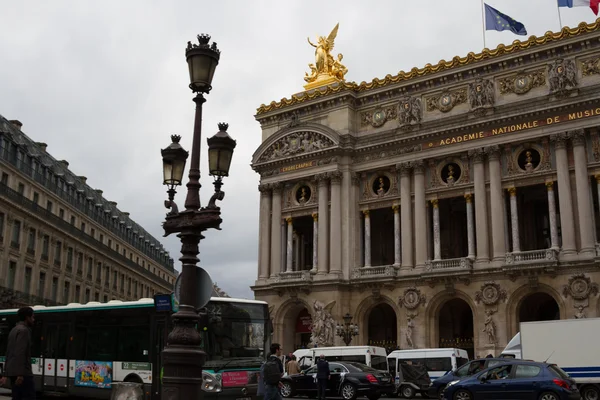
(409, 111)
(590, 66)
(522, 82)
(481, 94)
(447, 100)
(580, 287)
(378, 116)
(295, 144)
(562, 77)
(386, 153)
(490, 294)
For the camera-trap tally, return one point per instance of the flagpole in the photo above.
(559, 17)
(483, 22)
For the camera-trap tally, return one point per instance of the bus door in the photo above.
(55, 361)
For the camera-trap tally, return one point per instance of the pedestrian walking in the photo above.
(272, 373)
(323, 376)
(18, 357)
(292, 366)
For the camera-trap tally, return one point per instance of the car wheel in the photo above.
(286, 389)
(408, 392)
(590, 393)
(549, 396)
(348, 391)
(463, 395)
(440, 395)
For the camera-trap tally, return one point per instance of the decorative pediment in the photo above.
(296, 143)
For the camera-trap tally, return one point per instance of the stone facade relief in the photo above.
(409, 111)
(562, 77)
(490, 294)
(481, 94)
(447, 100)
(411, 300)
(294, 144)
(580, 287)
(522, 82)
(489, 326)
(590, 66)
(323, 326)
(379, 116)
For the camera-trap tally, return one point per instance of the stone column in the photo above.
(406, 215)
(315, 260)
(397, 256)
(565, 202)
(420, 214)
(323, 223)
(514, 220)
(437, 246)
(584, 207)
(335, 230)
(290, 246)
(496, 203)
(264, 231)
(276, 230)
(367, 238)
(481, 221)
(470, 226)
(552, 216)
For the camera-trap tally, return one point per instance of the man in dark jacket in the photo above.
(18, 357)
(323, 375)
(271, 390)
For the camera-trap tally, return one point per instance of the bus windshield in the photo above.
(235, 333)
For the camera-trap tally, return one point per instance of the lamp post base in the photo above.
(183, 359)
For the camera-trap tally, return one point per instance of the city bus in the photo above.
(81, 349)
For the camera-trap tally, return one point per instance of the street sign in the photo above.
(204, 288)
(162, 302)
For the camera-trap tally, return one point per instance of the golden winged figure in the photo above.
(326, 69)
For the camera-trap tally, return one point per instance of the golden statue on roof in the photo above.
(326, 69)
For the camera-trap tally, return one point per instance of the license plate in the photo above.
(385, 379)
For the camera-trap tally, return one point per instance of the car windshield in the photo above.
(556, 370)
(361, 367)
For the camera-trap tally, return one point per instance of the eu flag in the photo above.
(496, 21)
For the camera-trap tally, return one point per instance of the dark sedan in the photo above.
(348, 380)
(467, 370)
(522, 380)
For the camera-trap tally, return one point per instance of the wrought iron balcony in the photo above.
(450, 264)
(384, 271)
(533, 257)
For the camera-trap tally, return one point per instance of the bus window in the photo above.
(101, 343)
(379, 362)
(438, 364)
(134, 344)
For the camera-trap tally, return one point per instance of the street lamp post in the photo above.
(183, 358)
(348, 330)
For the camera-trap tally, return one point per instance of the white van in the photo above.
(374, 357)
(436, 361)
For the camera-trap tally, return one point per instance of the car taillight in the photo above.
(561, 383)
(371, 378)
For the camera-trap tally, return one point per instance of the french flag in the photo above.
(593, 4)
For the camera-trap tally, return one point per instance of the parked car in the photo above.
(348, 380)
(515, 380)
(467, 370)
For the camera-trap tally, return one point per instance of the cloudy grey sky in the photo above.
(105, 83)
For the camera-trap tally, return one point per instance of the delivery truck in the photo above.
(572, 344)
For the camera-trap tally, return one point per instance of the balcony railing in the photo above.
(387, 271)
(303, 276)
(532, 257)
(64, 226)
(462, 263)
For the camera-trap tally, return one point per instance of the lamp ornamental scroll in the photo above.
(348, 330)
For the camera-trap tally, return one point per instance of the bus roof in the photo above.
(117, 304)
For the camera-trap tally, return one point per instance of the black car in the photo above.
(348, 380)
(467, 370)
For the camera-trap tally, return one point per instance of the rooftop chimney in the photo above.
(83, 178)
(16, 123)
(126, 214)
(43, 145)
(114, 203)
(99, 192)
(65, 163)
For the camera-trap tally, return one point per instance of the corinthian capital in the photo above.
(577, 136)
(264, 188)
(560, 140)
(493, 152)
(322, 179)
(404, 168)
(477, 155)
(277, 187)
(336, 177)
(418, 166)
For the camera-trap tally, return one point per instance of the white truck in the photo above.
(572, 344)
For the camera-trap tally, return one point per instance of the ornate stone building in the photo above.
(61, 241)
(439, 207)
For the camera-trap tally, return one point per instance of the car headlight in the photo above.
(452, 383)
(211, 383)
